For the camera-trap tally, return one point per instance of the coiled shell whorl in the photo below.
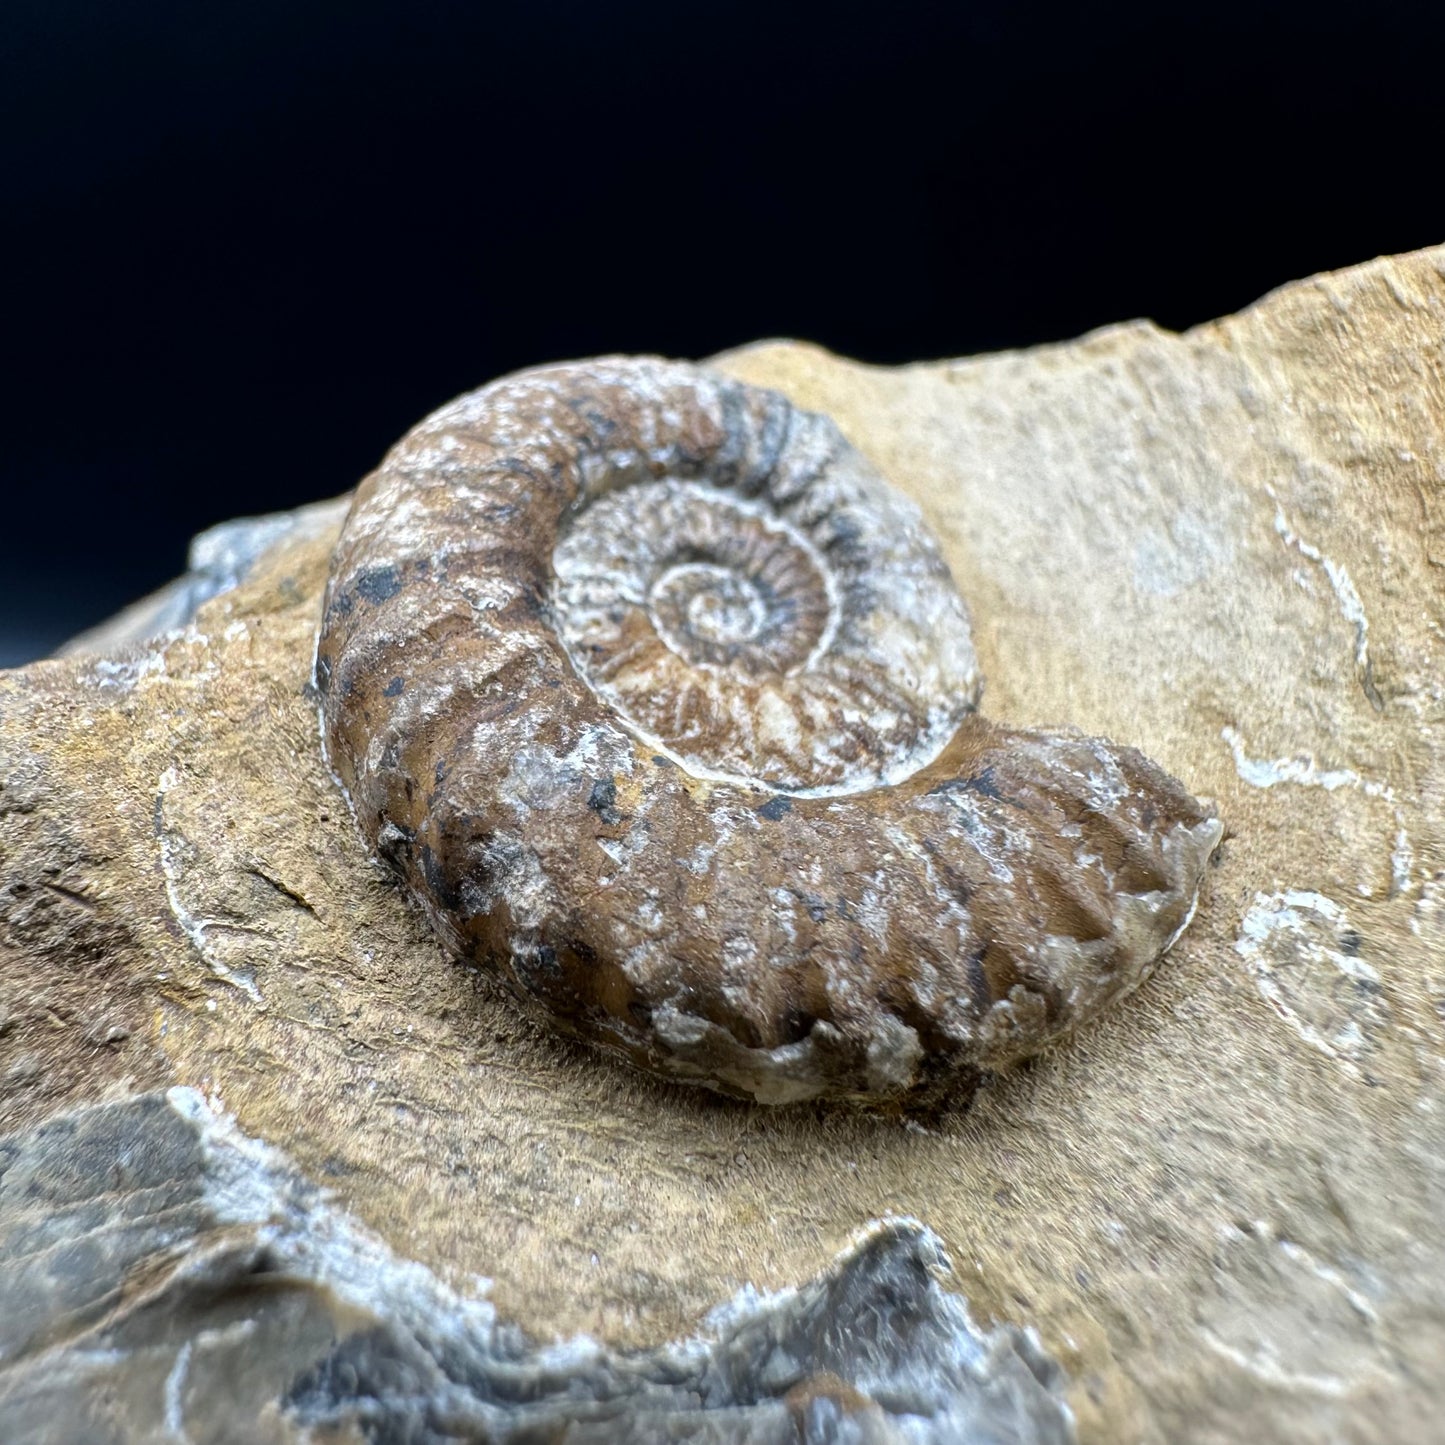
(661, 701)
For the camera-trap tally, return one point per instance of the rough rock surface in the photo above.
(168, 1278)
(1223, 1211)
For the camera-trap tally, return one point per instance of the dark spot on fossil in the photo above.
(379, 584)
(516, 467)
(587, 408)
(497, 710)
(817, 909)
(978, 982)
(775, 808)
(958, 887)
(844, 534)
(393, 842)
(603, 799)
(1350, 943)
(982, 784)
(797, 1024)
(394, 688)
(436, 878)
(662, 762)
(581, 950)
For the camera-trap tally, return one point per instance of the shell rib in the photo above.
(661, 701)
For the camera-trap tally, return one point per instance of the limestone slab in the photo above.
(1222, 1209)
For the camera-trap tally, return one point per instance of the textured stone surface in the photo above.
(166, 1277)
(1222, 1209)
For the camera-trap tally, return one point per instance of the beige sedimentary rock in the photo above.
(1222, 1208)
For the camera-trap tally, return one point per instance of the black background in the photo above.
(252, 243)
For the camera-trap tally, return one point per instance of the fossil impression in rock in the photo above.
(662, 702)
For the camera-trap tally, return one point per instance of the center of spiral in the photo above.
(747, 641)
(703, 608)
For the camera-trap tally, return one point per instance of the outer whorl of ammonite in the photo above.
(660, 700)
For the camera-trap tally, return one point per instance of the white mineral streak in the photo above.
(1263, 1282)
(1304, 959)
(987, 834)
(125, 674)
(1346, 595)
(1429, 910)
(1304, 771)
(175, 1384)
(251, 1183)
(198, 930)
(539, 775)
(1301, 769)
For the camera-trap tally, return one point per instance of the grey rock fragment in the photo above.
(163, 1276)
(218, 559)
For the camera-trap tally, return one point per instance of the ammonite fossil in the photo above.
(661, 701)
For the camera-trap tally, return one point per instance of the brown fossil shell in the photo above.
(661, 701)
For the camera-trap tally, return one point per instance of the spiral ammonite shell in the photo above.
(661, 701)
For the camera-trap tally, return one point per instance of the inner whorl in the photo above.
(789, 624)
